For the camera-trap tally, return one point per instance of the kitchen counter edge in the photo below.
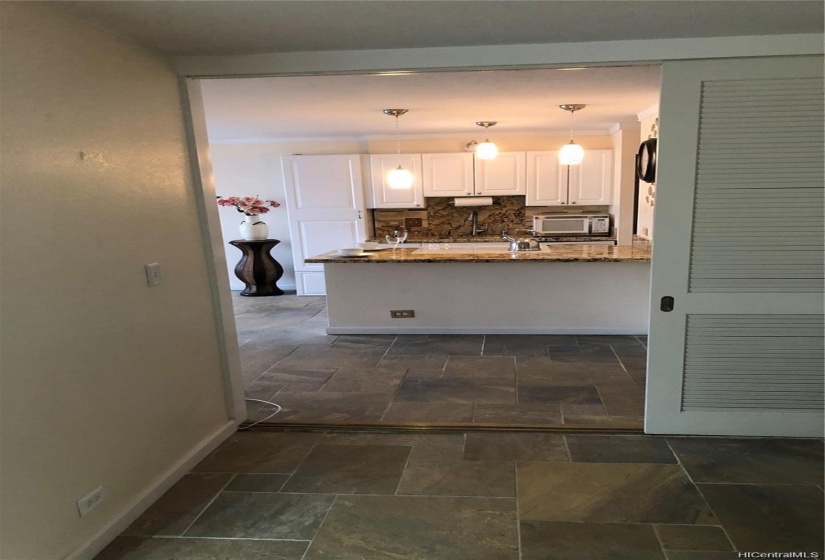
(567, 253)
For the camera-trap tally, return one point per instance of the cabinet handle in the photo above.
(359, 214)
(469, 193)
(572, 203)
(564, 203)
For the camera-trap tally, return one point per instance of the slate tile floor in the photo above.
(442, 380)
(297, 495)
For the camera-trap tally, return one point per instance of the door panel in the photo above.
(740, 166)
(546, 180)
(502, 176)
(448, 174)
(325, 203)
(592, 181)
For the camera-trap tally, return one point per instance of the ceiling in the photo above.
(234, 27)
(438, 102)
(350, 106)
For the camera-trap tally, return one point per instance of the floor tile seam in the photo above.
(659, 539)
(422, 496)
(404, 470)
(646, 523)
(518, 509)
(193, 538)
(320, 525)
(703, 483)
(208, 505)
(566, 446)
(699, 490)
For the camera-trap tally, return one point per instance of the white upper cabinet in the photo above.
(550, 184)
(448, 174)
(458, 174)
(502, 176)
(591, 183)
(546, 180)
(380, 195)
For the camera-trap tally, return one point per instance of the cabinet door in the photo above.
(381, 195)
(447, 174)
(502, 176)
(592, 182)
(325, 204)
(546, 180)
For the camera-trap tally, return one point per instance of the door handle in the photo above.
(666, 304)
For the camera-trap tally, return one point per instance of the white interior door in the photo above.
(325, 201)
(739, 234)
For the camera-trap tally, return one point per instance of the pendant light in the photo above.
(486, 150)
(399, 178)
(572, 153)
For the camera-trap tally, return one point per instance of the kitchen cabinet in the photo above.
(380, 195)
(462, 174)
(325, 204)
(551, 184)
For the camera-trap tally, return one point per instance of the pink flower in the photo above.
(249, 205)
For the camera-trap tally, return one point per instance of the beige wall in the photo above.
(254, 167)
(104, 380)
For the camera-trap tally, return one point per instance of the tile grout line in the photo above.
(404, 470)
(320, 525)
(699, 490)
(518, 513)
(215, 497)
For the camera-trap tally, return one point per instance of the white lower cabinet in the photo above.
(380, 195)
(325, 203)
(551, 184)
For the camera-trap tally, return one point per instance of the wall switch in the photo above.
(90, 501)
(402, 314)
(152, 274)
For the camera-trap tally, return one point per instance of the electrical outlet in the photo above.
(412, 222)
(152, 274)
(90, 501)
(402, 314)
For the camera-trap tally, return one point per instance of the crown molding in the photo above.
(651, 111)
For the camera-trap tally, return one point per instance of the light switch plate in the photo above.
(153, 274)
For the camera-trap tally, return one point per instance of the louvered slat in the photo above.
(754, 361)
(758, 223)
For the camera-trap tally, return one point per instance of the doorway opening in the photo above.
(528, 380)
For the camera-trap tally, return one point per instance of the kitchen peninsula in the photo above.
(483, 288)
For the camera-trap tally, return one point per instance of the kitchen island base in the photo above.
(489, 298)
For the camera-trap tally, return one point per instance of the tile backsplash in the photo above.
(441, 220)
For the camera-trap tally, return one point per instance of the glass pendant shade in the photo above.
(571, 154)
(400, 178)
(486, 150)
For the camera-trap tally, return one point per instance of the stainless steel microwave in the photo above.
(572, 224)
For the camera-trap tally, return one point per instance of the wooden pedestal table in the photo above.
(257, 269)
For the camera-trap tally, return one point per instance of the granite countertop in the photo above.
(494, 239)
(561, 253)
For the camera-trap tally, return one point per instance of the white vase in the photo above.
(253, 228)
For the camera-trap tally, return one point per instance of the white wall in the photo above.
(104, 380)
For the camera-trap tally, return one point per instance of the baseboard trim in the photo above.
(484, 330)
(141, 503)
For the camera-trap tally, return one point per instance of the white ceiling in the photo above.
(231, 27)
(438, 102)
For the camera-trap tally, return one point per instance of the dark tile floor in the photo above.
(445, 380)
(294, 495)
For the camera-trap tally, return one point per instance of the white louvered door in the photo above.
(739, 248)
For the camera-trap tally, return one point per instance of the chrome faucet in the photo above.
(473, 219)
